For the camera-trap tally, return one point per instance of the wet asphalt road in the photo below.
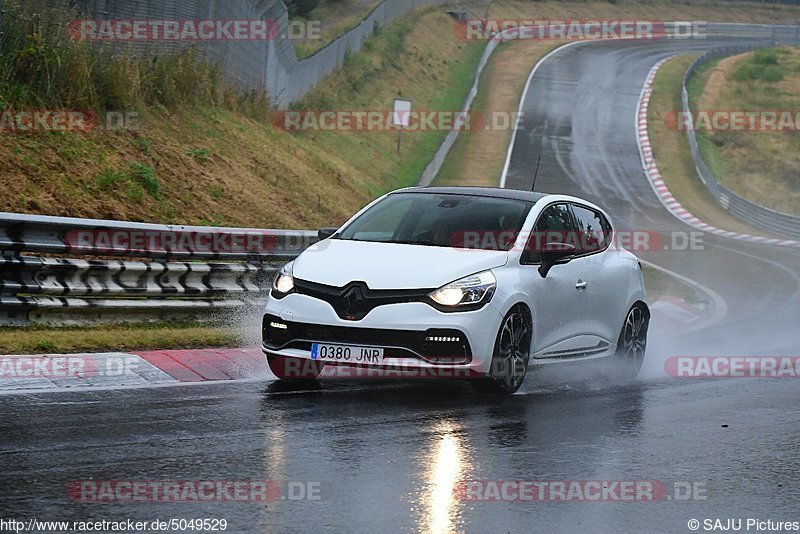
(389, 456)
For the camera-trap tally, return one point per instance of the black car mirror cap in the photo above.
(326, 233)
(556, 254)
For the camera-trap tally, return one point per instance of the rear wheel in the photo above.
(511, 354)
(632, 344)
(287, 368)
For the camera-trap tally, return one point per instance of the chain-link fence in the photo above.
(35, 27)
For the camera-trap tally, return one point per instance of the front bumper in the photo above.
(408, 332)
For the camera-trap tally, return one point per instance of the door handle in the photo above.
(581, 285)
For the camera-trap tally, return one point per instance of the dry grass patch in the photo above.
(761, 166)
(672, 154)
(710, 10)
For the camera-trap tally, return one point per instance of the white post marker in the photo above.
(401, 118)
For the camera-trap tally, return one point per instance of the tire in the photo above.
(632, 343)
(287, 369)
(512, 353)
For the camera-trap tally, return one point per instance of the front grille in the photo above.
(355, 300)
(397, 343)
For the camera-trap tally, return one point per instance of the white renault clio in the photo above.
(458, 281)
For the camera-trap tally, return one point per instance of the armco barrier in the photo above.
(63, 270)
(759, 216)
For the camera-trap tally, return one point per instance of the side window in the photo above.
(593, 231)
(554, 226)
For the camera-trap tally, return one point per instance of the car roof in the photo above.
(492, 192)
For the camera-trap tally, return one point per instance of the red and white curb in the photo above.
(120, 370)
(661, 189)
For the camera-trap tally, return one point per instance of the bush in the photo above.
(301, 8)
(146, 177)
(765, 57)
(764, 65)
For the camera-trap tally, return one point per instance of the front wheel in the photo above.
(511, 354)
(632, 344)
(287, 368)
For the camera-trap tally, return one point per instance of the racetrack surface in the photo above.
(389, 455)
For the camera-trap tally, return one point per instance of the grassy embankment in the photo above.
(334, 17)
(671, 148)
(763, 166)
(206, 155)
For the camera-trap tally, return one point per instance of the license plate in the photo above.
(325, 352)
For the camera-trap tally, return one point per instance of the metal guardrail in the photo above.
(757, 215)
(64, 270)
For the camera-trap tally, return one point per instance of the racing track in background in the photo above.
(582, 109)
(392, 454)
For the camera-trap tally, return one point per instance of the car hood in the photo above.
(335, 262)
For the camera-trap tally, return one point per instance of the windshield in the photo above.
(441, 220)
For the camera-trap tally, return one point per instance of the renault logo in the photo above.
(353, 298)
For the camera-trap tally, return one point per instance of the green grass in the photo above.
(146, 336)
(760, 166)
(337, 17)
(133, 182)
(672, 154)
(699, 79)
(660, 285)
(764, 65)
(449, 173)
(367, 81)
(200, 154)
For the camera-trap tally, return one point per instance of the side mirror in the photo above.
(555, 254)
(325, 233)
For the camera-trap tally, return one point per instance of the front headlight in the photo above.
(284, 282)
(470, 292)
